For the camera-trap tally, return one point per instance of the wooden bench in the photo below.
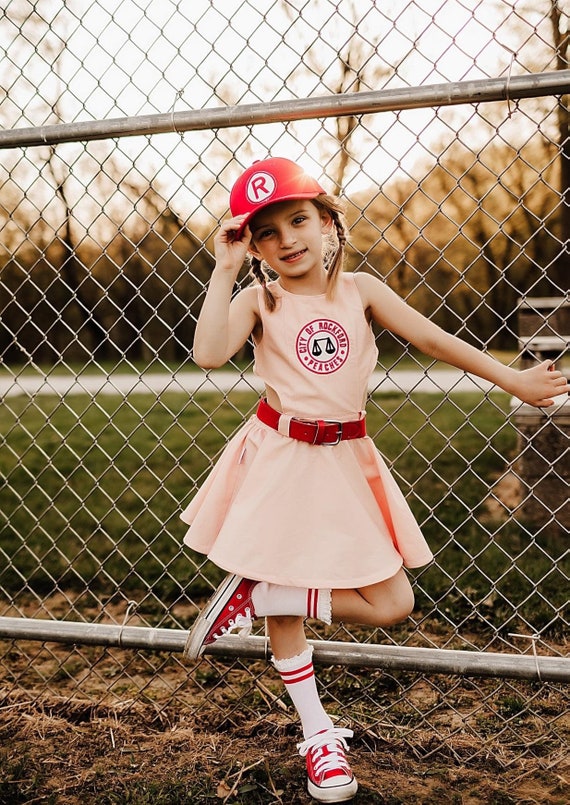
(543, 328)
(543, 463)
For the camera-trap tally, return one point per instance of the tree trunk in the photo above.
(560, 270)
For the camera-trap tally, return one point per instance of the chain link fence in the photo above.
(444, 126)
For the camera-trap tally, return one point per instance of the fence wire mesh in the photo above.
(107, 429)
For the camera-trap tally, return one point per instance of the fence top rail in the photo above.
(431, 95)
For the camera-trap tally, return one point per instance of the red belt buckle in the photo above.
(338, 433)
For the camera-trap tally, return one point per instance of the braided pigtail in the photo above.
(261, 277)
(336, 265)
(334, 257)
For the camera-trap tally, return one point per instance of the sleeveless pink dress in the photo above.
(280, 510)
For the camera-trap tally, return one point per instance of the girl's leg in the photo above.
(382, 604)
(238, 601)
(287, 636)
(293, 658)
(329, 776)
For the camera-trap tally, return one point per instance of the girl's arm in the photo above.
(535, 386)
(224, 325)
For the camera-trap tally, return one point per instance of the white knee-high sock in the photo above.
(298, 676)
(274, 599)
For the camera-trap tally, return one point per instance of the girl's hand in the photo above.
(539, 384)
(231, 251)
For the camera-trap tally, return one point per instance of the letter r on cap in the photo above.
(260, 187)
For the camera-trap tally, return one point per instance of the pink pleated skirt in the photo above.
(279, 510)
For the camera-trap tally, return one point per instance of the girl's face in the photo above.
(288, 235)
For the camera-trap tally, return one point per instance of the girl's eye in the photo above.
(265, 233)
(299, 219)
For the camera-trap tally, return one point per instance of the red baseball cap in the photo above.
(268, 181)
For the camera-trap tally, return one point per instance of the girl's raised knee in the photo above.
(407, 607)
(394, 609)
(402, 606)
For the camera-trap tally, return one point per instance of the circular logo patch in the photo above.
(322, 346)
(260, 187)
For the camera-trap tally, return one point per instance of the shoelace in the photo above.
(335, 743)
(242, 624)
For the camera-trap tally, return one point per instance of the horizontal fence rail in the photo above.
(361, 103)
(387, 658)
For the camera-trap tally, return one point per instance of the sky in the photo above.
(134, 57)
(121, 58)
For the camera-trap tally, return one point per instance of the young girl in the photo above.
(301, 508)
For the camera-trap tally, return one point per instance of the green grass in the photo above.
(91, 494)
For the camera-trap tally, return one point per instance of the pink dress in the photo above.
(280, 510)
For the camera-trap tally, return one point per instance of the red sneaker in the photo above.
(330, 776)
(230, 608)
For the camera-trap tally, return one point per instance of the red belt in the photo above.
(319, 431)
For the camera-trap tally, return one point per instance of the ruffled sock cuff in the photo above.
(292, 663)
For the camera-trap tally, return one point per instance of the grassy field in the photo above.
(92, 490)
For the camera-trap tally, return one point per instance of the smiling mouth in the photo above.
(293, 256)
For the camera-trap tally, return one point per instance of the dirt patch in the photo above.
(82, 725)
(70, 752)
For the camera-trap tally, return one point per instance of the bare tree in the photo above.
(356, 68)
(561, 40)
